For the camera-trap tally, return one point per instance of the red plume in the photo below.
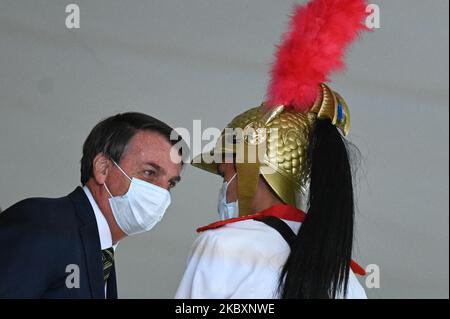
(319, 35)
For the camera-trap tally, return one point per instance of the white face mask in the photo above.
(227, 210)
(141, 208)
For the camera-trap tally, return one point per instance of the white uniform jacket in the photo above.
(242, 259)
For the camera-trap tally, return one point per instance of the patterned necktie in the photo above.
(108, 261)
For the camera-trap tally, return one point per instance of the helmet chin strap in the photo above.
(247, 178)
(249, 154)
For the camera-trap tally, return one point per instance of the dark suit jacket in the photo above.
(42, 239)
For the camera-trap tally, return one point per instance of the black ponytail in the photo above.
(319, 263)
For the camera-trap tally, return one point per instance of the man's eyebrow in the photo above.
(156, 166)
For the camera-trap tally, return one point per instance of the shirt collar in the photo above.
(104, 232)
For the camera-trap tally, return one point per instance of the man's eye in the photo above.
(149, 173)
(172, 184)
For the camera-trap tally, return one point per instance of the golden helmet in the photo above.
(273, 143)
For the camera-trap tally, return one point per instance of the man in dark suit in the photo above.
(64, 247)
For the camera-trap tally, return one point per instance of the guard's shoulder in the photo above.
(247, 234)
(237, 228)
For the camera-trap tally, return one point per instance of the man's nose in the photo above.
(163, 183)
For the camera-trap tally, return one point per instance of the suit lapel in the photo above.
(93, 260)
(91, 242)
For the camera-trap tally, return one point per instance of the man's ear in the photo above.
(100, 168)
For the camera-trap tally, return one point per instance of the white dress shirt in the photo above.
(241, 260)
(104, 232)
